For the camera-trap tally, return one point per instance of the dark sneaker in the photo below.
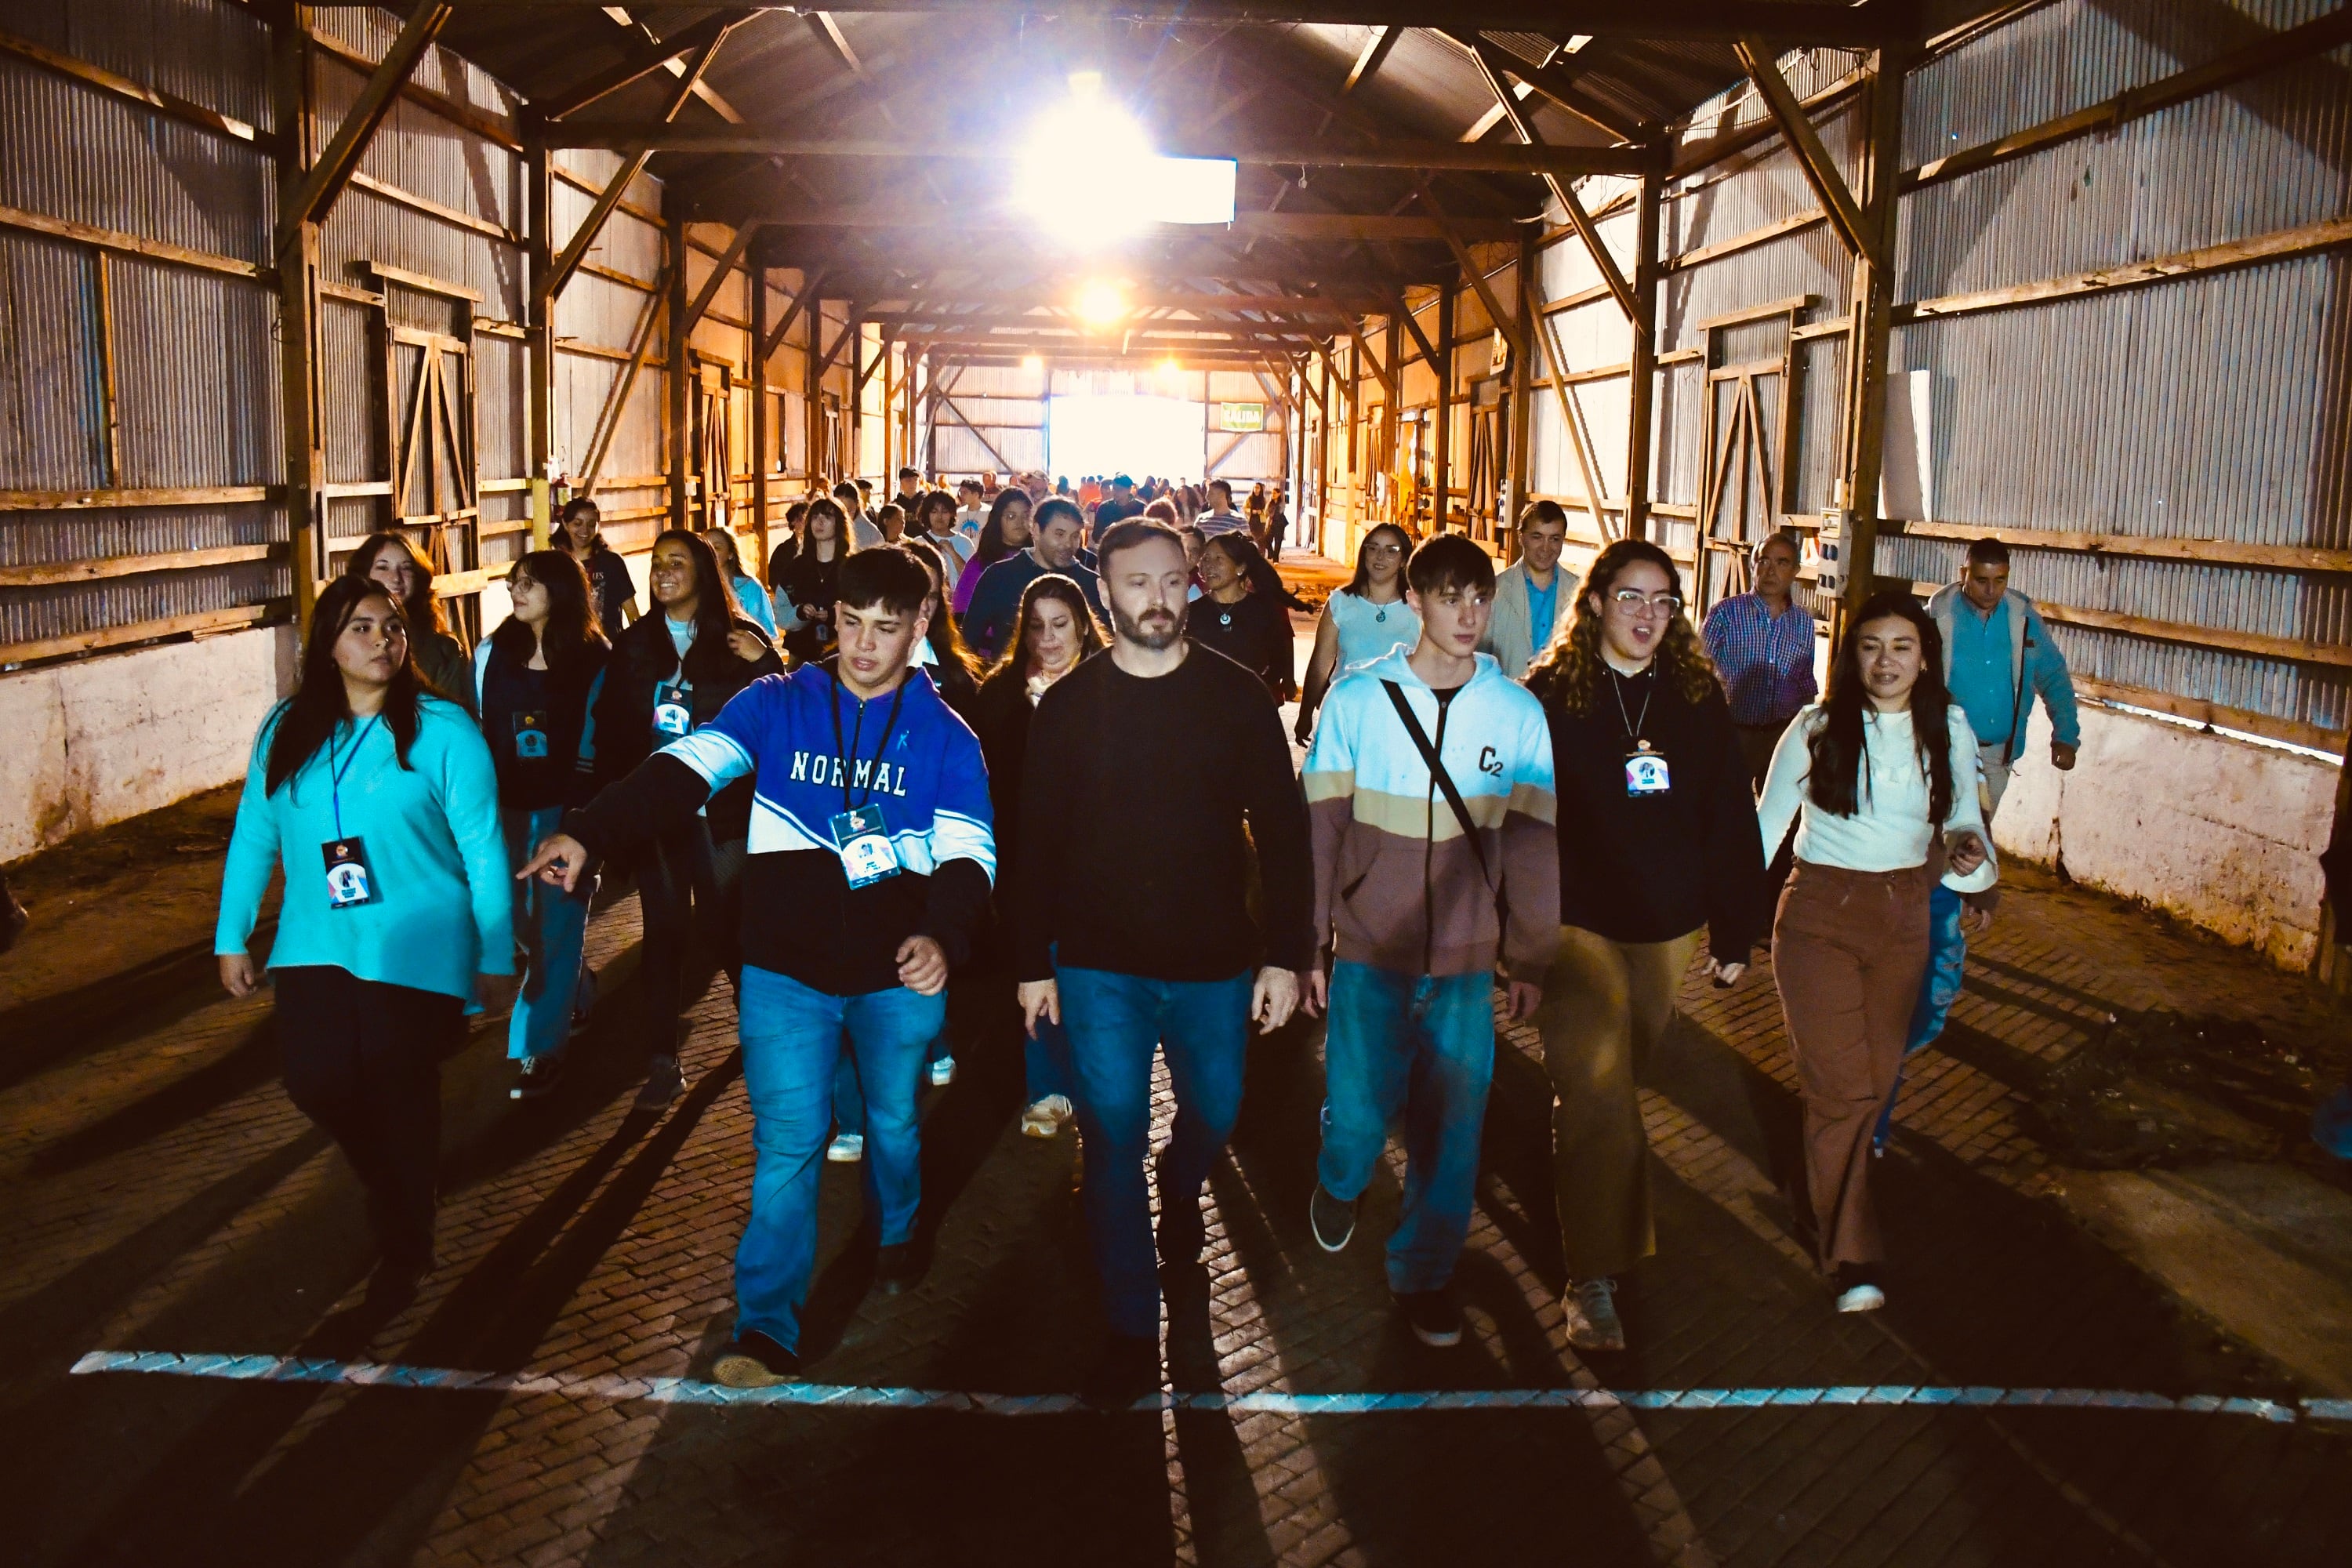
(535, 1078)
(895, 1272)
(663, 1083)
(1129, 1371)
(1333, 1220)
(1593, 1321)
(1432, 1316)
(1858, 1289)
(755, 1361)
(1181, 1232)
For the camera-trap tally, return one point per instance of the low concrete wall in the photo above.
(103, 739)
(2223, 834)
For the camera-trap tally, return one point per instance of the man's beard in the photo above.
(1154, 637)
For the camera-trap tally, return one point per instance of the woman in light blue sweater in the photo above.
(378, 803)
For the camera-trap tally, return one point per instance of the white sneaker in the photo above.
(847, 1149)
(943, 1072)
(1857, 1291)
(1045, 1119)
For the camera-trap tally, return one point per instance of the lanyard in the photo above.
(335, 774)
(1616, 684)
(847, 751)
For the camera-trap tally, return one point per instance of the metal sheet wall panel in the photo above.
(2230, 165)
(1680, 435)
(367, 227)
(371, 29)
(502, 393)
(1590, 336)
(1818, 396)
(38, 538)
(2183, 410)
(626, 242)
(50, 398)
(2064, 57)
(202, 50)
(35, 615)
(162, 180)
(196, 377)
(1757, 188)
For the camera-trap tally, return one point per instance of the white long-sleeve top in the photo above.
(1889, 830)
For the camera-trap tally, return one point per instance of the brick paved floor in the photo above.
(158, 1192)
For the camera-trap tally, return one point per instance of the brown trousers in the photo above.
(1848, 950)
(1605, 1004)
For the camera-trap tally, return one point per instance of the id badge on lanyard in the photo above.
(351, 880)
(1646, 772)
(862, 836)
(531, 736)
(672, 714)
(861, 832)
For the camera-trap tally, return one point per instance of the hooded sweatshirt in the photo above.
(1395, 877)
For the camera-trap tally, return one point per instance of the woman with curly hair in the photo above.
(1658, 846)
(1881, 781)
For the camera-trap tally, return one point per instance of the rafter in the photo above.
(1812, 158)
(1556, 83)
(1484, 55)
(1375, 51)
(640, 63)
(1309, 227)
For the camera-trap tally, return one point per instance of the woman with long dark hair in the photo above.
(1880, 778)
(378, 802)
(1657, 848)
(1362, 620)
(809, 577)
(536, 681)
(391, 561)
(1236, 619)
(1055, 629)
(611, 590)
(670, 674)
(796, 521)
(750, 597)
(1007, 530)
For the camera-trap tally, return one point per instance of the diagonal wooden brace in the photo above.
(1812, 158)
(325, 180)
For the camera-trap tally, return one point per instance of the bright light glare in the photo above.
(1034, 361)
(1102, 303)
(1090, 172)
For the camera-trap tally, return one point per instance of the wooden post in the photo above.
(677, 426)
(1873, 288)
(757, 271)
(539, 346)
(1391, 416)
(813, 394)
(297, 314)
(1522, 391)
(1441, 511)
(1641, 394)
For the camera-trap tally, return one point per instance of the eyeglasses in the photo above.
(1633, 602)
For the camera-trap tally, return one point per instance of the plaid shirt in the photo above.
(1767, 662)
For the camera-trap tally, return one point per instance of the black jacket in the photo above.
(644, 659)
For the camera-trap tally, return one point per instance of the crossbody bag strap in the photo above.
(1445, 780)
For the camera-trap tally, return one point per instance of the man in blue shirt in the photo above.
(1762, 644)
(1998, 656)
(988, 621)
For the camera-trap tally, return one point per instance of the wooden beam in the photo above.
(107, 500)
(616, 404)
(1505, 323)
(1571, 421)
(775, 338)
(132, 245)
(1704, 21)
(719, 271)
(1478, 158)
(1872, 291)
(1368, 59)
(678, 381)
(1488, 60)
(591, 226)
(1369, 361)
(2273, 247)
(1795, 223)
(48, 573)
(1642, 392)
(539, 333)
(487, 124)
(639, 63)
(1812, 158)
(301, 412)
(324, 181)
(2139, 547)
(965, 419)
(2290, 47)
(234, 619)
(1295, 227)
(1423, 348)
(1559, 85)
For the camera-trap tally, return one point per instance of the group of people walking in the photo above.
(1023, 733)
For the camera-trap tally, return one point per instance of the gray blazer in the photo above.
(1511, 636)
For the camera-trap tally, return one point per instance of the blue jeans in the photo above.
(792, 1039)
(552, 926)
(1045, 1063)
(849, 1095)
(1422, 1047)
(1947, 958)
(1115, 1021)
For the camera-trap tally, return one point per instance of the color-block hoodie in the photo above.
(1395, 879)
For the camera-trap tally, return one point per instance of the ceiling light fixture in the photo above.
(1102, 303)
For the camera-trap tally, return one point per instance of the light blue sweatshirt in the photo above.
(435, 856)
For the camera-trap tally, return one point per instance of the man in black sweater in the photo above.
(1131, 926)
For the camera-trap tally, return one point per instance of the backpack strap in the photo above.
(1444, 780)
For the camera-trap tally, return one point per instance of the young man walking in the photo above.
(1221, 517)
(871, 853)
(1430, 791)
(1532, 596)
(1151, 771)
